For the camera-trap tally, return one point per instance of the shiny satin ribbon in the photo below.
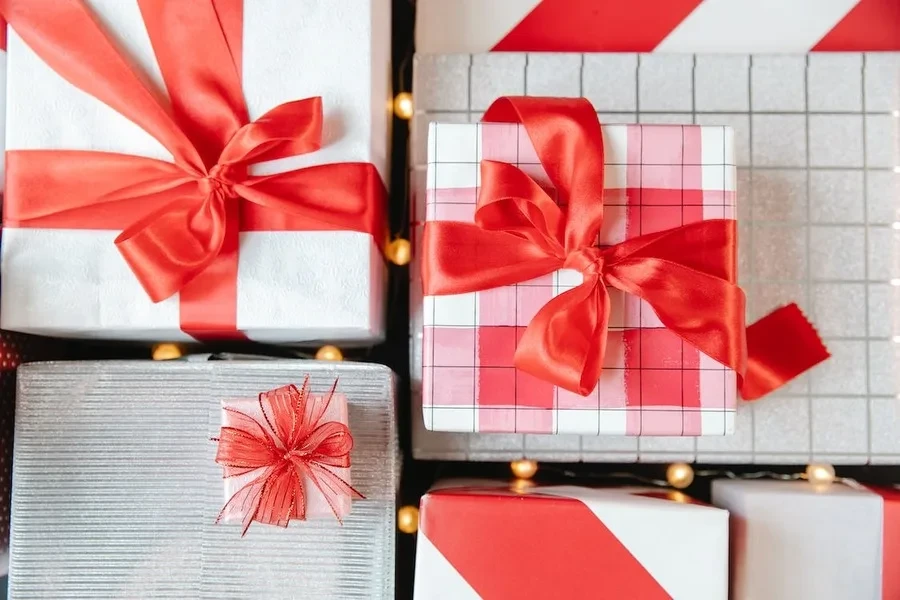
(687, 274)
(180, 221)
(291, 443)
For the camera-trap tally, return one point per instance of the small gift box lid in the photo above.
(792, 540)
(568, 542)
(116, 489)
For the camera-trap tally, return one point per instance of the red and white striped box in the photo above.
(472, 26)
(656, 177)
(568, 542)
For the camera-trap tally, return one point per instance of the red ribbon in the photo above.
(687, 274)
(291, 444)
(180, 221)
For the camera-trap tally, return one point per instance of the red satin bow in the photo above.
(180, 220)
(291, 444)
(687, 274)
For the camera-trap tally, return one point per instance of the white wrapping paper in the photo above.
(292, 286)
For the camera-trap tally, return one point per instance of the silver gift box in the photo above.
(818, 180)
(116, 490)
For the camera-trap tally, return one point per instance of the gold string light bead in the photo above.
(403, 106)
(408, 519)
(329, 353)
(680, 475)
(399, 251)
(524, 469)
(820, 475)
(166, 351)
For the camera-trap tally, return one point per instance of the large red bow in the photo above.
(687, 274)
(180, 221)
(289, 445)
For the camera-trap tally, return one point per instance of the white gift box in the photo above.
(291, 286)
(794, 541)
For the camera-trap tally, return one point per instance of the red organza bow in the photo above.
(687, 274)
(289, 445)
(180, 221)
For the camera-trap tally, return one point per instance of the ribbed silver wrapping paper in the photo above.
(115, 488)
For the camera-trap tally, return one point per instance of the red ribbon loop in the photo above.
(687, 274)
(180, 221)
(289, 444)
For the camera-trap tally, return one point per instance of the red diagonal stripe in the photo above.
(532, 546)
(599, 26)
(872, 25)
(890, 551)
(2, 34)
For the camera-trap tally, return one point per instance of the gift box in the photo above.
(568, 542)
(791, 539)
(123, 468)
(446, 27)
(277, 127)
(657, 177)
(815, 147)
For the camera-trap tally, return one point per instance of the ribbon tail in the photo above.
(566, 340)
(780, 346)
(245, 502)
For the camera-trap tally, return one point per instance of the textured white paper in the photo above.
(292, 287)
(791, 541)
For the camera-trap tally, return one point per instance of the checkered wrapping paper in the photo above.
(657, 177)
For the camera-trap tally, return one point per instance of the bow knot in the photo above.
(289, 445)
(221, 179)
(588, 261)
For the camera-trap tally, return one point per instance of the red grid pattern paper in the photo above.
(657, 177)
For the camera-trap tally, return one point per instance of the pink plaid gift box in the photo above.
(657, 177)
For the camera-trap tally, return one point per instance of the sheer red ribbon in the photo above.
(289, 445)
(687, 274)
(180, 221)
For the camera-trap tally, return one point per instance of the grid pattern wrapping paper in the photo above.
(816, 148)
(72, 281)
(657, 178)
(116, 490)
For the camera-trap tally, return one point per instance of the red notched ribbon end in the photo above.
(780, 346)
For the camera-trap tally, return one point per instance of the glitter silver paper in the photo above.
(115, 488)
